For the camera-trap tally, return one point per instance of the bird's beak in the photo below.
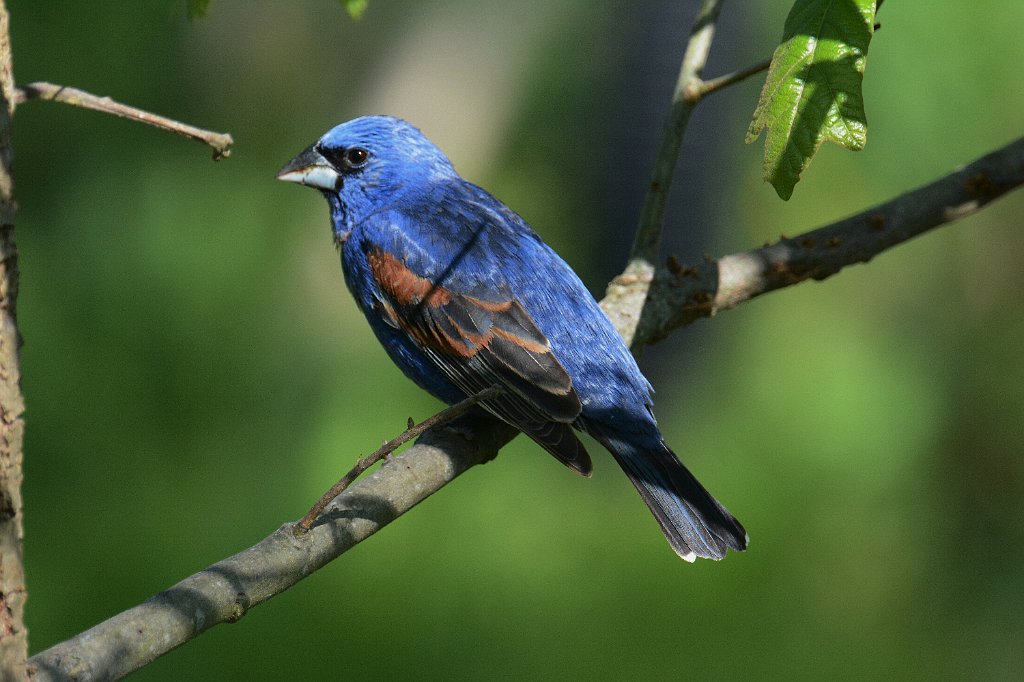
(310, 168)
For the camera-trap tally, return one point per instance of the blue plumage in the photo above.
(463, 294)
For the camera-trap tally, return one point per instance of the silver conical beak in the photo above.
(310, 168)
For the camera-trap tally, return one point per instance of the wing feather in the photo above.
(479, 343)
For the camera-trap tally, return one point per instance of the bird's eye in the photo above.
(356, 157)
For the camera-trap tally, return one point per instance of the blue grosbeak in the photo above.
(463, 295)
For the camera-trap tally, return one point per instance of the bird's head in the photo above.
(367, 164)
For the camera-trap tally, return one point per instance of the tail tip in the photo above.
(715, 547)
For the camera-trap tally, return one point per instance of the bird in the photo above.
(463, 295)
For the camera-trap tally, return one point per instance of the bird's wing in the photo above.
(480, 342)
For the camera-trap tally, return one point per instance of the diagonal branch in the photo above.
(219, 142)
(678, 295)
(652, 214)
(225, 591)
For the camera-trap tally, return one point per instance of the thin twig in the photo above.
(219, 142)
(413, 431)
(652, 216)
(705, 88)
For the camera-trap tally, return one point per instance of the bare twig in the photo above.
(226, 590)
(704, 88)
(652, 215)
(219, 142)
(413, 431)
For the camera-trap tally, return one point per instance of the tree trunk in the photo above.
(13, 636)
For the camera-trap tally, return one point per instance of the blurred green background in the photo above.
(196, 374)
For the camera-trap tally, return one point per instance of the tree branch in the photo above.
(225, 591)
(678, 295)
(13, 636)
(652, 215)
(219, 142)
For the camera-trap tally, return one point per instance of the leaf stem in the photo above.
(705, 88)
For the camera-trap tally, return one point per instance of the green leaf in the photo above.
(813, 90)
(197, 9)
(355, 8)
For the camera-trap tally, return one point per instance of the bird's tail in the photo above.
(695, 523)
